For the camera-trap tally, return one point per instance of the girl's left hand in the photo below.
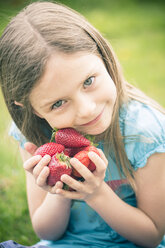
(93, 180)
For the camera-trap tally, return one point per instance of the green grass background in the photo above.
(136, 30)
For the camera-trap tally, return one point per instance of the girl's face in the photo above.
(75, 91)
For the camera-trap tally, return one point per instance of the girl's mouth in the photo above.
(94, 120)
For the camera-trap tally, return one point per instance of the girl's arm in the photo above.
(49, 212)
(144, 225)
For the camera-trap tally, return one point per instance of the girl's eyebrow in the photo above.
(92, 69)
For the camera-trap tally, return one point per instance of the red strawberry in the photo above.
(69, 137)
(50, 149)
(82, 156)
(91, 166)
(71, 151)
(58, 166)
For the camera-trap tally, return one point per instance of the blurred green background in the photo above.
(136, 30)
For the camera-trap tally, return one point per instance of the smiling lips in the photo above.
(95, 120)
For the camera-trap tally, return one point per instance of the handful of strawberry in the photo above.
(67, 143)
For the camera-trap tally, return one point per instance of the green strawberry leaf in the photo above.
(65, 186)
(91, 138)
(53, 134)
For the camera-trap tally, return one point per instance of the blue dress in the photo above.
(144, 130)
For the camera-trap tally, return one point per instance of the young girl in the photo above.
(56, 70)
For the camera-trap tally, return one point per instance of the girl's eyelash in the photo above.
(89, 82)
(57, 104)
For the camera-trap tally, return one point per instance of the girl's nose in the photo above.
(85, 107)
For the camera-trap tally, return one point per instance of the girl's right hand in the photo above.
(38, 167)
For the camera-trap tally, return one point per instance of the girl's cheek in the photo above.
(64, 122)
(61, 123)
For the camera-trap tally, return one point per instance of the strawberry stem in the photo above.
(65, 186)
(91, 139)
(64, 158)
(54, 131)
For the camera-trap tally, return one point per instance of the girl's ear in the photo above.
(18, 104)
(21, 105)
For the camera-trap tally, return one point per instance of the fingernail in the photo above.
(58, 184)
(47, 156)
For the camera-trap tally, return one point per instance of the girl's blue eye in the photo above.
(88, 82)
(58, 104)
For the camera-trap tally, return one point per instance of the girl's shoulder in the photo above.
(140, 117)
(17, 135)
(143, 130)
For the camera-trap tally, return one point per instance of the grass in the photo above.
(136, 32)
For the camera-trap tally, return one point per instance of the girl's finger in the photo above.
(82, 169)
(70, 194)
(42, 163)
(31, 162)
(72, 183)
(30, 147)
(58, 185)
(98, 161)
(103, 157)
(41, 179)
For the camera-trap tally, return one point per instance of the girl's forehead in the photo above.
(72, 58)
(62, 65)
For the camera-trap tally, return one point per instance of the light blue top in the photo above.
(144, 130)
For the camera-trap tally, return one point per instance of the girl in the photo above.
(56, 70)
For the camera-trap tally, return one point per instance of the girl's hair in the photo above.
(25, 47)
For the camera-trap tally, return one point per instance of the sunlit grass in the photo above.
(136, 32)
(137, 35)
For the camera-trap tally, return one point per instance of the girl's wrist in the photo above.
(98, 196)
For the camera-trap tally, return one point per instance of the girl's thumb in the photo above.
(30, 147)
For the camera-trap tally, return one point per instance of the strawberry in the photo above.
(69, 137)
(58, 166)
(71, 151)
(91, 165)
(82, 156)
(50, 149)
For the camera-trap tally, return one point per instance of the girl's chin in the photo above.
(96, 131)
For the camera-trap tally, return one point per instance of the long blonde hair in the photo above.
(25, 47)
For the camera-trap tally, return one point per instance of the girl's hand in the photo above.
(30, 147)
(38, 167)
(93, 181)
